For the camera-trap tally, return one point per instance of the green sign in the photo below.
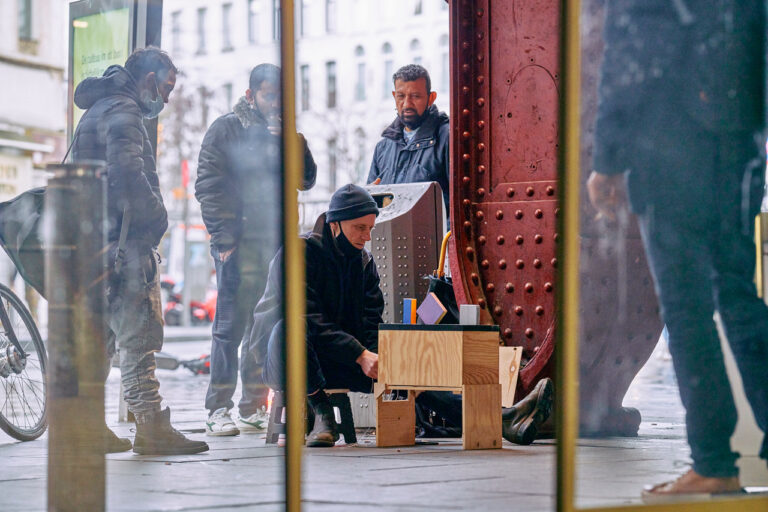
(99, 40)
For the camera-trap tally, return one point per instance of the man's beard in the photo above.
(414, 122)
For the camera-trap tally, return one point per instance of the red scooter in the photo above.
(201, 312)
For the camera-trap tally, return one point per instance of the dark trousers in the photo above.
(323, 373)
(698, 230)
(240, 280)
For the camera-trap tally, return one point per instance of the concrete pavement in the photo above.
(241, 473)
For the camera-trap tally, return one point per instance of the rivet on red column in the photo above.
(529, 287)
(480, 35)
(519, 239)
(474, 277)
(519, 310)
(548, 287)
(500, 240)
(485, 264)
(550, 190)
(466, 135)
(556, 237)
(538, 214)
(467, 225)
(465, 89)
(465, 68)
(510, 287)
(499, 214)
(554, 262)
(538, 239)
(480, 79)
(557, 212)
(510, 192)
(465, 157)
(480, 215)
(529, 333)
(480, 169)
(498, 311)
(507, 333)
(519, 214)
(481, 303)
(480, 102)
(480, 57)
(470, 252)
(481, 147)
(480, 12)
(465, 45)
(465, 112)
(466, 202)
(481, 240)
(481, 124)
(520, 264)
(529, 191)
(502, 264)
(537, 263)
(490, 288)
(465, 180)
(481, 192)
(539, 310)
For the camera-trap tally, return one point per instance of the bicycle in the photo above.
(23, 361)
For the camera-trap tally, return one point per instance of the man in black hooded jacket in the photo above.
(112, 130)
(414, 148)
(344, 307)
(238, 186)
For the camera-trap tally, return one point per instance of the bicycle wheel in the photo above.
(22, 376)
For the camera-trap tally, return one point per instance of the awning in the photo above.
(26, 145)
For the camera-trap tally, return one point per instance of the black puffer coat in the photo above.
(424, 159)
(341, 325)
(238, 178)
(113, 130)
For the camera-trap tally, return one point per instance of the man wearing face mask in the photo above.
(112, 129)
(238, 186)
(343, 311)
(415, 146)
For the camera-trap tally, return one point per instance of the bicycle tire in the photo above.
(23, 396)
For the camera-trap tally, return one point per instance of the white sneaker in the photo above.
(255, 423)
(220, 424)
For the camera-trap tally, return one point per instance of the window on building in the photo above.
(25, 20)
(201, 12)
(227, 90)
(330, 74)
(332, 163)
(360, 83)
(253, 21)
(386, 50)
(330, 16)
(204, 111)
(226, 14)
(360, 155)
(417, 7)
(445, 69)
(276, 15)
(415, 51)
(304, 87)
(303, 18)
(176, 33)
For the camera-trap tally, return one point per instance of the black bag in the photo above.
(20, 235)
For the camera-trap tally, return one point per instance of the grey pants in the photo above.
(136, 330)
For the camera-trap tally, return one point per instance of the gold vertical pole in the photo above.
(293, 278)
(569, 170)
(759, 283)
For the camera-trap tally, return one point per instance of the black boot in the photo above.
(324, 433)
(156, 436)
(114, 444)
(520, 423)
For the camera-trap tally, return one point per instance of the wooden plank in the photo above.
(390, 387)
(480, 357)
(421, 358)
(481, 417)
(396, 422)
(509, 368)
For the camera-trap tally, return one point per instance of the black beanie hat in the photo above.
(350, 202)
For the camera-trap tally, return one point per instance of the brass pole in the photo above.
(759, 278)
(293, 278)
(569, 171)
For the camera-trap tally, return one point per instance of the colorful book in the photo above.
(431, 310)
(409, 311)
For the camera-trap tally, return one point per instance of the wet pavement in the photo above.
(242, 473)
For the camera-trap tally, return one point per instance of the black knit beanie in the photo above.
(350, 202)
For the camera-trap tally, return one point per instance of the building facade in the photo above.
(347, 51)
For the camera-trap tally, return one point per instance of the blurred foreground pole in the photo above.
(75, 241)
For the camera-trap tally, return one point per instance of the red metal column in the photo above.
(504, 127)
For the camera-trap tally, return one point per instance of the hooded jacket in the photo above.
(238, 178)
(344, 301)
(112, 129)
(425, 158)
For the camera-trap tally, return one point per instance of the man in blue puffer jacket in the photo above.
(415, 146)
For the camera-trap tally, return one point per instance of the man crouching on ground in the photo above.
(344, 308)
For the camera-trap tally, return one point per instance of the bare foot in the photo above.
(691, 486)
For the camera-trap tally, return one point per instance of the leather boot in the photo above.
(114, 444)
(156, 436)
(520, 423)
(324, 433)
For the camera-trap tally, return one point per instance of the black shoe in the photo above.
(324, 433)
(114, 444)
(520, 423)
(157, 437)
